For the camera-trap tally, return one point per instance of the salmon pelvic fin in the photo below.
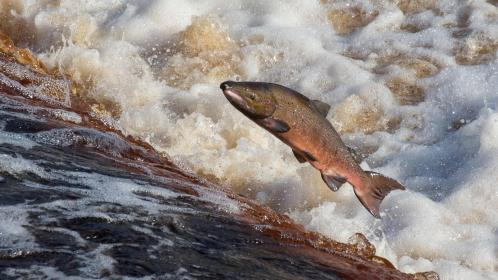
(377, 188)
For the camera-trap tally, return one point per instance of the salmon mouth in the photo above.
(233, 96)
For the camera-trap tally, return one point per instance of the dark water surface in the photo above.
(83, 216)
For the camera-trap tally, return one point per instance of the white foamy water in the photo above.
(413, 85)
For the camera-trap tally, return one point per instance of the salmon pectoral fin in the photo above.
(333, 182)
(275, 125)
(378, 187)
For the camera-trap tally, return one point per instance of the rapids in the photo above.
(79, 200)
(412, 84)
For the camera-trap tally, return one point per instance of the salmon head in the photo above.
(253, 99)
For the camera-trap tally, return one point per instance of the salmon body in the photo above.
(301, 124)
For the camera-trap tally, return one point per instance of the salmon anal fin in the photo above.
(334, 183)
(275, 125)
(299, 157)
(374, 192)
(322, 107)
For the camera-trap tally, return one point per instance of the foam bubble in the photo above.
(16, 140)
(17, 165)
(67, 116)
(13, 234)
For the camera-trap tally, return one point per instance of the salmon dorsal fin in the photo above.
(322, 107)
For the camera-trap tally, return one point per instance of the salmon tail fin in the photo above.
(373, 194)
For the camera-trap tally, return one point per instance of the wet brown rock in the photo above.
(414, 6)
(205, 53)
(353, 114)
(183, 72)
(106, 109)
(22, 56)
(430, 275)
(422, 67)
(39, 82)
(36, 81)
(404, 88)
(362, 245)
(358, 114)
(477, 48)
(205, 34)
(405, 92)
(347, 20)
(412, 28)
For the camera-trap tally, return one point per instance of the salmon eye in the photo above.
(252, 96)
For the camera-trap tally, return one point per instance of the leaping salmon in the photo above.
(301, 124)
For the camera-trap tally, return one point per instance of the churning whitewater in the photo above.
(412, 85)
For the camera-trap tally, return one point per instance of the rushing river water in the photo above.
(80, 201)
(412, 85)
(68, 211)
